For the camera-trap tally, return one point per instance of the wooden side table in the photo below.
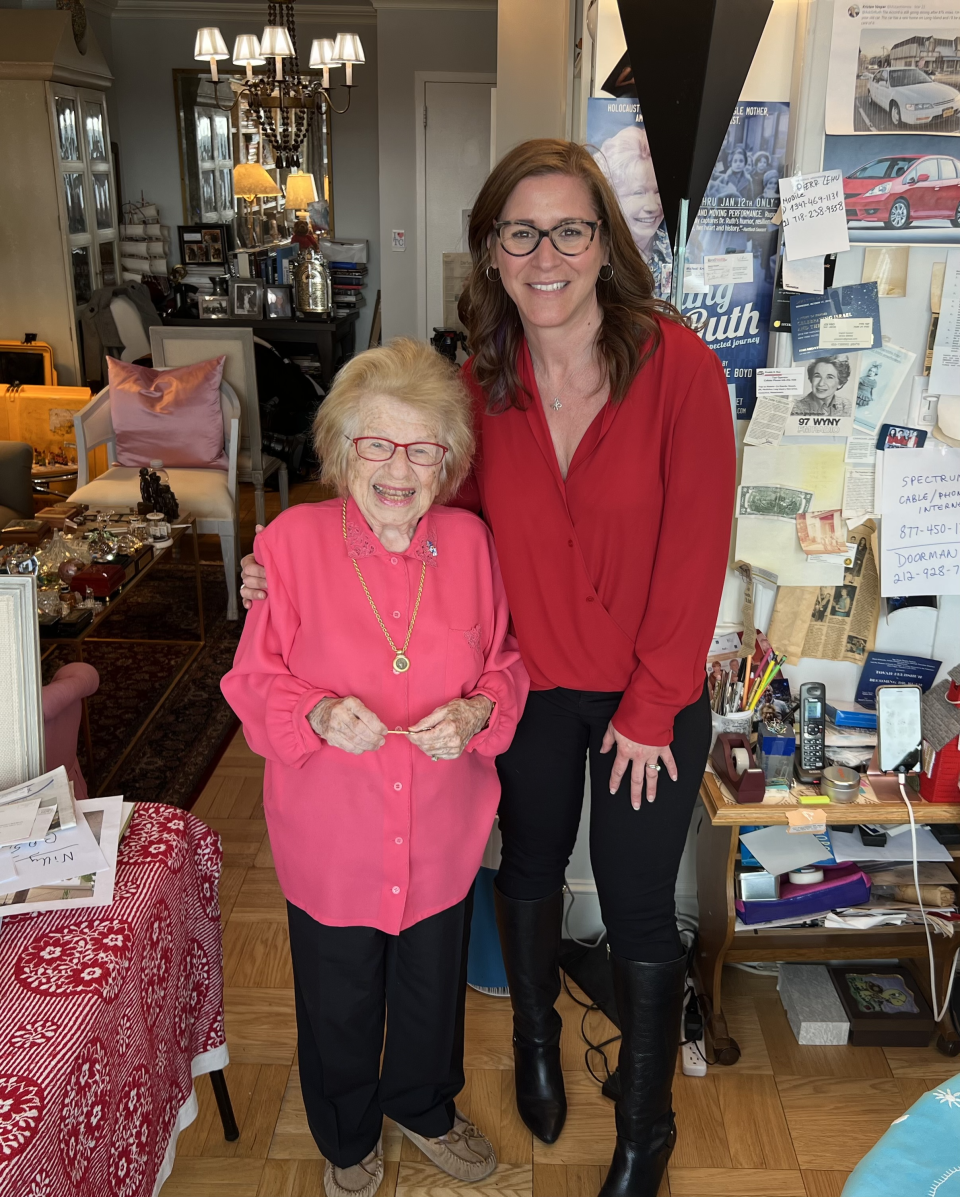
(721, 943)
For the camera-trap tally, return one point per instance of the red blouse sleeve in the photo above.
(271, 702)
(680, 616)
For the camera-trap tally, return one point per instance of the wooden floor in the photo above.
(786, 1121)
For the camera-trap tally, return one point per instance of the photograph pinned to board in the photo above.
(882, 373)
(735, 221)
(825, 407)
(894, 69)
(886, 265)
(887, 199)
(843, 318)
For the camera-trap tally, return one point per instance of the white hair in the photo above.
(619, 155)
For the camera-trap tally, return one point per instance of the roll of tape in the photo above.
(806, 876)
(741, 760)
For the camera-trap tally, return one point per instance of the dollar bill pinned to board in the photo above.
(774, 502)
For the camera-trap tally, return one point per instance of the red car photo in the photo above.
(900, 189)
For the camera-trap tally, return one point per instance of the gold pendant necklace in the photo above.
(401, 662)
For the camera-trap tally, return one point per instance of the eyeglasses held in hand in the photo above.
(570, 237)
(379, 448)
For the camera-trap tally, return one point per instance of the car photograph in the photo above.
(910, 97)
(899, 190)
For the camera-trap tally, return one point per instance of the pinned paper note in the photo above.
(920, 549)
(788, 380)
(846, 332)
(727, 268)
(769, 420)
(805, 275)
(814, 215)
(945, 366)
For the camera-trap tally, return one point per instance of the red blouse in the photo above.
(614, 575)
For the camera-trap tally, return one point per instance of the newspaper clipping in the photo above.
(834, 623)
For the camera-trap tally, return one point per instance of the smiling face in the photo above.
(392, 494)
(639, 198)
(550, 289)
(824, 380)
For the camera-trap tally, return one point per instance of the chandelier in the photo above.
(282, 100)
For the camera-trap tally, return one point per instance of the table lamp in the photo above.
(250, 181)
(301, 192)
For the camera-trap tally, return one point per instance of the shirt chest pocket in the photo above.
(464, 662)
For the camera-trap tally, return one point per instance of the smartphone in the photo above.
(899, 731)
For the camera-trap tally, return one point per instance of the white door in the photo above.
(456, 161)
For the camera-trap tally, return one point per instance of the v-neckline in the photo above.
(537, 419)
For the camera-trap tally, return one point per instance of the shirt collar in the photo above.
(361, 542)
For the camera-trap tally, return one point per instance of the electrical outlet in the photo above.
(692, 1060)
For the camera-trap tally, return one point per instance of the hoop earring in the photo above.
(605, 278)
(493, 274)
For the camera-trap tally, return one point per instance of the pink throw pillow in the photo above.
(170, 414)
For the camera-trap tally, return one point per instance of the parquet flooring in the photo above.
(786, 1121)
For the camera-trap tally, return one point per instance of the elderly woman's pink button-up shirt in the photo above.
(387, 838)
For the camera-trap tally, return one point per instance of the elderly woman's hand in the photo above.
(445, 732)
(346, 723)
(254, 578)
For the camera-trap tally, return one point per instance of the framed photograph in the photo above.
(246, 298)
(279, 302)
(884, 1005)
(214, 307)
(204, 244)
(21, 715)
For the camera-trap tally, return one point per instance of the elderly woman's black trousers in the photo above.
(349, 981)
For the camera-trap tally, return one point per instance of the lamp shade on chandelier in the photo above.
(282, 100)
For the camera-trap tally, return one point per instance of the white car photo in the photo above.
(911, 97)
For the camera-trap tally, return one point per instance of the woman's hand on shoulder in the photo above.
(645, 760)
(445, 732)
(253, 578)
(346, 723)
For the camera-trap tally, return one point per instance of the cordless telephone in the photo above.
(812, 727)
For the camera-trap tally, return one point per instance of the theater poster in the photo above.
(735, 217)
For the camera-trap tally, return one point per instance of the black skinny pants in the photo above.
(345, 980)
(635, 853)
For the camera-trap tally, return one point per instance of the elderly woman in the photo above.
(625, 160)
(828, 376)
(379, 681)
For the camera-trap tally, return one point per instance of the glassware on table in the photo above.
(159, 530)
(48, 602)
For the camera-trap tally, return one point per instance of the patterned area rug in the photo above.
(179, 749)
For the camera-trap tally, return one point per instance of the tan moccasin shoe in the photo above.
(360, 1180)
(463, 1152)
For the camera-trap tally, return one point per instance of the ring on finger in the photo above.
(653, 768)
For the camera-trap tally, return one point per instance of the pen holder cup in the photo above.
(741, 722)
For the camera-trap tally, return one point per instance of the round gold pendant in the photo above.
(400, 663)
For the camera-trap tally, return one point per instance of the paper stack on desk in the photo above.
(69, 855)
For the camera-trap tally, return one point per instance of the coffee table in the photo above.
(147, 562)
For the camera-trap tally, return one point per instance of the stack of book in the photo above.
(349, 280)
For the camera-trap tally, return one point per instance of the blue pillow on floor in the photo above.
(919, 1156)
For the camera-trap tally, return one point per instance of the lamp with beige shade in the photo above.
(250, 182)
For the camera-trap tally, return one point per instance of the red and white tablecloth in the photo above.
(107, 1014)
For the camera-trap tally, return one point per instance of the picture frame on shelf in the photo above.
(246, 298)
(278, 301)
(214, 307)
(204, 244)
(20, 707)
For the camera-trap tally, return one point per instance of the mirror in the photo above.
(215, 132)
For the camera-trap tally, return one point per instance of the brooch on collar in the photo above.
(431, 548)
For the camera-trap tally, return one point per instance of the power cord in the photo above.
(938, 1012)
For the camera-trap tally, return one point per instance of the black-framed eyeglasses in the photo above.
(381, 448)
(570, 237)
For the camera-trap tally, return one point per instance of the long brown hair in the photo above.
(628, 333)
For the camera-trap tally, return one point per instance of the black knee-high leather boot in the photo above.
(650, 1004)
(530, 939)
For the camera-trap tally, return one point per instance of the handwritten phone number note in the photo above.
(920, 533)
(814, 215)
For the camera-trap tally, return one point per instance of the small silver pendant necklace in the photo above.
(557, 403)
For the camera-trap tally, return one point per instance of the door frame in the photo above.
(420, 80)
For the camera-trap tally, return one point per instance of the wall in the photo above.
(534, 72)
(412, 39)
(147, 46)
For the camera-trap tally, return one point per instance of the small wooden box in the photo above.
(30, 532)
(884, 1005)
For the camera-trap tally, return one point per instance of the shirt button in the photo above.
(399, 728)
(393, 561)
(570, 543)
(590, 598)
(398, 840)
(396, 889)
(396, 615)
(397, 785)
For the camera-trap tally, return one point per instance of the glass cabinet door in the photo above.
(89, 212)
